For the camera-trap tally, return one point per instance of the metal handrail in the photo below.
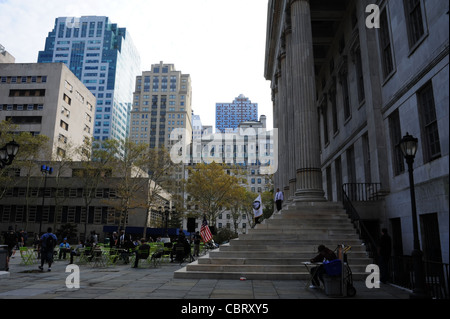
(361, 228)
(362, 192)
(436, 276)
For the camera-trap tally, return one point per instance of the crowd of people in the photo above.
(48, 247)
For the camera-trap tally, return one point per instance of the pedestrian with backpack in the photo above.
(48, 243)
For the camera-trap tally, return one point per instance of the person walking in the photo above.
(11, 241)
(48, 243)
(197, 239)
(279, 199)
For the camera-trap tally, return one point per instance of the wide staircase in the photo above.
(277, 248)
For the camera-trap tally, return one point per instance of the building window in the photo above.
(67, 99)
(429, 126)
(345, 95)
(396, 136)
(387, 60)
(414, 20)
(325, 121)
(64, 125)
(359, 75)
(334, 112)
(366, 157)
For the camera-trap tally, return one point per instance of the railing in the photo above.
(436, 276)
(361, 192)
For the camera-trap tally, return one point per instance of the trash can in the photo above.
(3, 255)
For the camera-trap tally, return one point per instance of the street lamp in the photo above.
(45, 170)
(7, 153)
(408, 146)
(166, 210)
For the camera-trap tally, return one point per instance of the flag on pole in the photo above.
(205, 232)
(257, 207)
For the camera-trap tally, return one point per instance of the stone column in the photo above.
(307, 144)
(277, 174)
(282, 128)
(290, 152)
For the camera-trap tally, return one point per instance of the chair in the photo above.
(27, 255)
(98, 258)
(111, 255)
(157, 256)
(85, 254)
(143, 254)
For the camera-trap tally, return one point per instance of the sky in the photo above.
(221, 44)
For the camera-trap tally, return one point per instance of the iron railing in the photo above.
(362, 192)
(356, 189)
(436, 276)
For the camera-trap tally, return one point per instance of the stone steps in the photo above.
(278, 248)
(267, 261)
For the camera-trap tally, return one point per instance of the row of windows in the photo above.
(21, 107)
(23, 79)
(65, 214)
(416, 31)
(59, 192)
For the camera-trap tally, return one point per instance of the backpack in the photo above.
(50, 243)
(10, 239)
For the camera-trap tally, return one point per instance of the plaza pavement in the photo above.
(147, 282)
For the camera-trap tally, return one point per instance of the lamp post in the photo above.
(166, 213)
(408, 146)
(45, 170)
(8, 153)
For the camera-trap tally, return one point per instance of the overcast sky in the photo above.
(220, 43)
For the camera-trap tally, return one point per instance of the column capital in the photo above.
(291, 2)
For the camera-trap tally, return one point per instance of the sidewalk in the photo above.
(124, 282)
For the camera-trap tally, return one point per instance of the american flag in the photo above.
(205, 232)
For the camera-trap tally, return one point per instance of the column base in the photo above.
(310, 196)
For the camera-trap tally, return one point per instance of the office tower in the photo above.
(5, 56)
(47, 99)
(161, 103)
(104, 58)
(230, 115)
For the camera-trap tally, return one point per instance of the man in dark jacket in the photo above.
(142, 252)
(11, 241)
(318, 272)
(384, 251)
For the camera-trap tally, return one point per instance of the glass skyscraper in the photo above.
(104, 58)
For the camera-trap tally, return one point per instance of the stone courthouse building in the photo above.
(349, 80)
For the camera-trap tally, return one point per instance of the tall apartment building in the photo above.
(104, 58)
(161, 103)
(47, 99)
(197, 127)
(249, 147)
(230, 115)
(344, 95)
